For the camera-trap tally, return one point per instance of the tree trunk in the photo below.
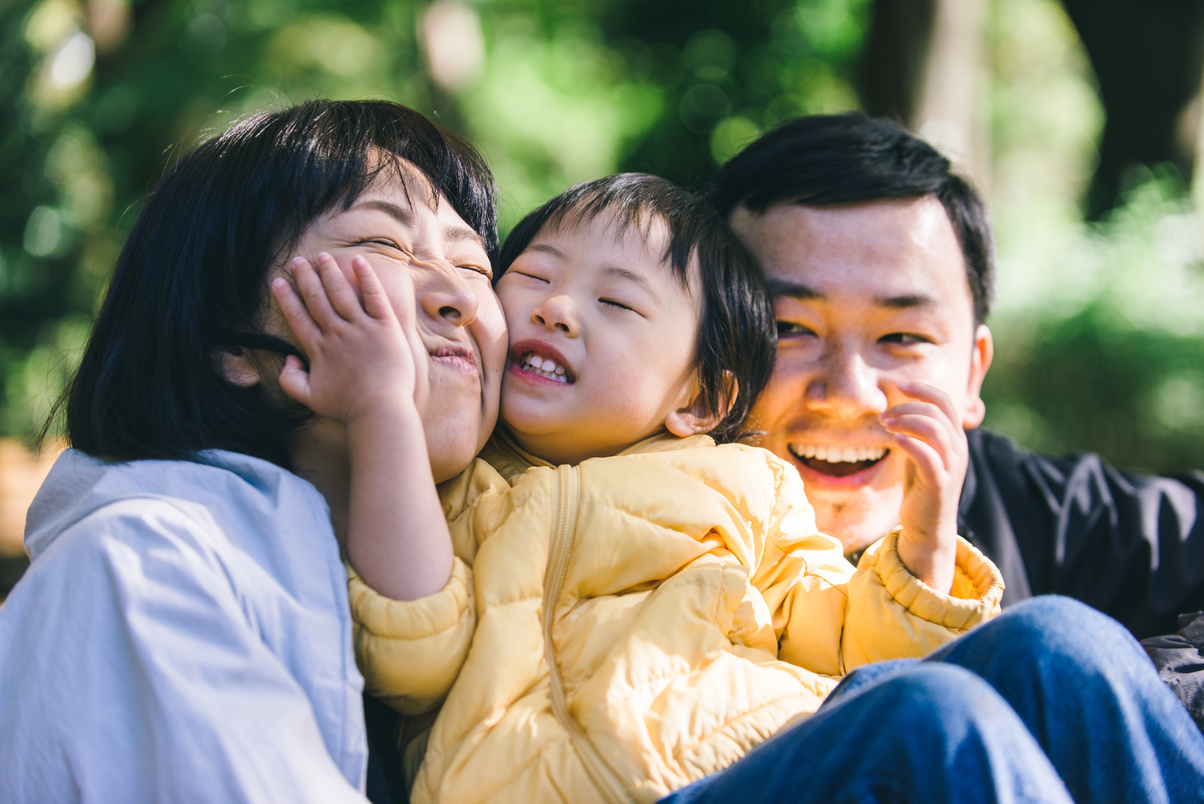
(1148, 59)
(924, 65)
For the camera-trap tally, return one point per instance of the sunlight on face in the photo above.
(602, 340)
(426, 256)
(866, 296)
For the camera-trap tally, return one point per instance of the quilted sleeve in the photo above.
(831, 618)
(410, 651)
(892, 613)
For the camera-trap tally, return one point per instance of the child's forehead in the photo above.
(624, 227)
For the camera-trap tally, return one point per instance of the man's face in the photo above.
(866, 296)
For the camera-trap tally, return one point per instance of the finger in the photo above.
(929, 467)
(294, 312)
(933, 413)
(294, 379)
(933, 395)
(337, 288)
(926, 430)
(313, 294)
(376, 302)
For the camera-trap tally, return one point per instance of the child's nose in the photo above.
(556, 312)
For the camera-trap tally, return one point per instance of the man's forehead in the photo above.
(898, 253)
(907, 297)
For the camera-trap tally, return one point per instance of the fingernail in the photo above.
(297, 262)
(323, 257)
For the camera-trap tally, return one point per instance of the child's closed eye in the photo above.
(616, 304)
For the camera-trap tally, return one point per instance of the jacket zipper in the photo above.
(566, 499)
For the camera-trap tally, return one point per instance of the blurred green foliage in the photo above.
(1107, 351)
(98, 96)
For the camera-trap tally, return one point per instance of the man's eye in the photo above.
(788, 329)
(904, 339)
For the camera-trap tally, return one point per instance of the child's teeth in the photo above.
(545, 366)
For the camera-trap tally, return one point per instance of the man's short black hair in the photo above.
(827, 160)
(737, 336)
(192, 278)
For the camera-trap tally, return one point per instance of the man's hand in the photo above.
(364, 360)
(928, 428)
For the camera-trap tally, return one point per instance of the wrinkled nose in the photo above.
(846, 386)
(556, 312)
(449, 297)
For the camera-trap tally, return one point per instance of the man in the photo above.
(880, 261)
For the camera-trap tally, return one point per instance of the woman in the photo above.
(183, 629)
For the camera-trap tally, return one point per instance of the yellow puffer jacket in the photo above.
(617, 629)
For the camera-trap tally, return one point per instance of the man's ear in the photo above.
(692, 418)
(236, 367)
(980, 360)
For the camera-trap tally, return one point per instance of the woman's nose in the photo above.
(448, 296)
(846, 386)
(556, 312)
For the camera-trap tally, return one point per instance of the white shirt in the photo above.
(182, 634)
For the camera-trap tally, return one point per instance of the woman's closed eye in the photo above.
(792, 329)
(386, 242)
(477, 269)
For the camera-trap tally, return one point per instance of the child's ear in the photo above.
(693, 418)
(236, 367)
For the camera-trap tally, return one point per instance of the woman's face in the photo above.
(421, 249)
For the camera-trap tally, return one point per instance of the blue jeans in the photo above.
(1051, 701)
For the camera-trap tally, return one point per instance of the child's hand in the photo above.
(363, 360)
(927, 428)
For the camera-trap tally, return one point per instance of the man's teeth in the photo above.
(838, 454)
(545, 366)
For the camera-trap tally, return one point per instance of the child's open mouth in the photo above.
(544, 367)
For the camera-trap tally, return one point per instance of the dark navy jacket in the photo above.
(1130, 545)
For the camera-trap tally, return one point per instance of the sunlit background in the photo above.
(1098, 323)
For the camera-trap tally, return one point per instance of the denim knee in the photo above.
(946, 699)
(1053, 629)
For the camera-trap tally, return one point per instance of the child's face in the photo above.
(602, 341)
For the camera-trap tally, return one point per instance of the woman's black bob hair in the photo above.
(192, 277)
(737, 336)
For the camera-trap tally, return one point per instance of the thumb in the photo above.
(294, 379)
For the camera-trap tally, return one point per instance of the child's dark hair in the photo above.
(737, 337)
(191, 281)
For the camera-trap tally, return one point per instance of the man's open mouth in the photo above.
(837, 461)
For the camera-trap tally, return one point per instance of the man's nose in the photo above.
(847, 386)
(448, 296)
(556, 312)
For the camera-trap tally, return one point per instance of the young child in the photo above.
(621, 606)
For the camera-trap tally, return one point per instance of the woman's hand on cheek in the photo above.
(364, 362)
